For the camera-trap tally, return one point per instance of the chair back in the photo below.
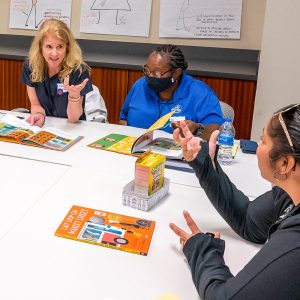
(95, 108)
(227, 110)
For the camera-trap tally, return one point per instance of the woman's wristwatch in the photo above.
(199, 131)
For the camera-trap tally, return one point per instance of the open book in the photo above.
(15, 130)
(153, 139)
(107, 229)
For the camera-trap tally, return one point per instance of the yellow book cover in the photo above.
(149, 173)
(136, 145)
(107, 229)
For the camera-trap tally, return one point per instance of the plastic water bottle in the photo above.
(226, 142)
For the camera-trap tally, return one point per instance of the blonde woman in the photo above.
(55, 74)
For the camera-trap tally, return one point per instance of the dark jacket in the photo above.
(274, 272)
(53, 98)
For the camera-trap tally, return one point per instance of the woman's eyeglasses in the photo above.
(148, 72)
(283, 125)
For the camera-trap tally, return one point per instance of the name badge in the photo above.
(60, 89)
(177, 119)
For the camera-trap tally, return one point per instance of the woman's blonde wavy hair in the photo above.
(72, 61)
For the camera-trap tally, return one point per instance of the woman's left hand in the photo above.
(184, 236)
(74, 90)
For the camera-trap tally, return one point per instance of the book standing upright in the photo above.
(147, 141)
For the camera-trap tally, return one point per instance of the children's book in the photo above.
(107, 229)
(153, 139)
(15, 130)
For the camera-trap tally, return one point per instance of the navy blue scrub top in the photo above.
(52, 99)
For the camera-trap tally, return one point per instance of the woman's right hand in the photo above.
(37, 119)
(190, 144)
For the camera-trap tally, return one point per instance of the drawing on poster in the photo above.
(181, 18)
(29, 14)
(200, 18)
(121, 17)
(33, 8)
(112, 5)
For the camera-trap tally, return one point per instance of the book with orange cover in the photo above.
(147, 141)
(18, 131)
(107, 229)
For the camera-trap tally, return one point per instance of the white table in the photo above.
(23, 183)
(244, 171)
(37, 265)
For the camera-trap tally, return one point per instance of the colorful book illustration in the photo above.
(107, 229)
(150, 140)
(15, 130)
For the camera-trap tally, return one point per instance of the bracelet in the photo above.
(72, 99)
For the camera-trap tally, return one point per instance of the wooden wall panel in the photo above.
(240, 94)
(114, 84)
(12, 91)
(133, 77)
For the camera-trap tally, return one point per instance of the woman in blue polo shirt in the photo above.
(164, 88)
(56, 76)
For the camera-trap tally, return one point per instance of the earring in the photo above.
(279, 176)
(172, 80)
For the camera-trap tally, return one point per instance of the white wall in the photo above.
(251, 31)
(279, 71)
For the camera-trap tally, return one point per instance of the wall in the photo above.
(228, 66)
(279, 69)
(251, 28)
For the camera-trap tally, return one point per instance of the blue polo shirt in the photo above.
(52, 98)
(193, 99)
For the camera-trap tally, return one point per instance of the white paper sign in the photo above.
(30, 14)
(208, 19)
(120, 17)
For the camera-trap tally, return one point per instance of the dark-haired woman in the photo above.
(164, 88)
(273, 218)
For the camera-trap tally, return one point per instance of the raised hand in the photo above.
(192, 126)
(74, 90)
(189, 144)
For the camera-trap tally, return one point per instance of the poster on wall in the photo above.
(213, 19)
(30, 14)
(119, 17)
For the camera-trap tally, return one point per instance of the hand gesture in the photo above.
(74, 90)
(192, 126)
(37, 119)
(184, 236)
(189, 144)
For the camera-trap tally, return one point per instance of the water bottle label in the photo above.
(225, 140)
